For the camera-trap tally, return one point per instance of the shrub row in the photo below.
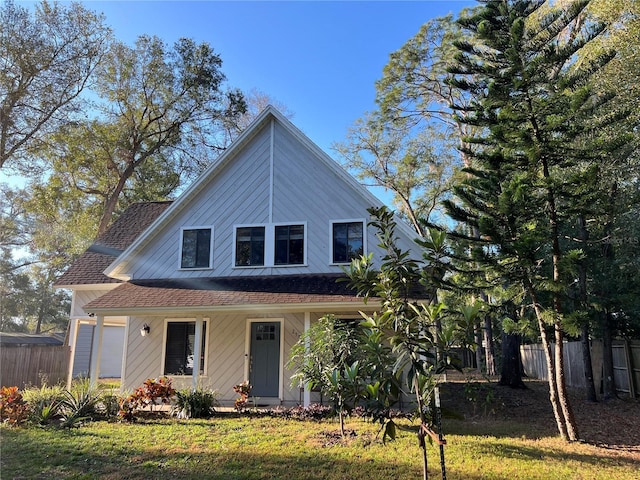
(56, 406)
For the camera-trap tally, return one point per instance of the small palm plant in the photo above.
(79, 404)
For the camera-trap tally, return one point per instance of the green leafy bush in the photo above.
(44, 413)
(315, 411)
(198, 403)
(45, 394)
(107, 406)
(45, 404)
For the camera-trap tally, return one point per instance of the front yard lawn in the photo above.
(258, 447)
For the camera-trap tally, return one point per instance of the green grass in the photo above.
(244, 448)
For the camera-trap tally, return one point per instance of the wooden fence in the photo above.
(33, 365)
(626, 364)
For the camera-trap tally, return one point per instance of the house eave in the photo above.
(331, 307)
(88, 286)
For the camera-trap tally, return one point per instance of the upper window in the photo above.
(249, 246)
(348, 241)
(179, 349)
(196, 249)
(289, 245)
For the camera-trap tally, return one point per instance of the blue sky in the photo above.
(319, 58)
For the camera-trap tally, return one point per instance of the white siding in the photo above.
(304, 189)
(81, 297)
(239, 194)
(225, 356)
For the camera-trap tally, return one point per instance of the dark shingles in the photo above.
(88, 267)
(322, 284)
(289, 289)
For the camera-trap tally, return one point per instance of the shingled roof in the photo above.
(88, 268)
(228, 291)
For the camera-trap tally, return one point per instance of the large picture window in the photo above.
(348, 241)
(196, 248)
(178, 359)
(289, 245)
(250, 246)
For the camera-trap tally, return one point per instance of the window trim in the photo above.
(305, 248)
(267, 238)
(269, 245)
(205, 321)
(181, 244)
(364, 237)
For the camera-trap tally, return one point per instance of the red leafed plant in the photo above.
(243, 389)
(151, 391)
(13, 408)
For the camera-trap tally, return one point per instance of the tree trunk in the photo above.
(551, 373)
(489, 350)
(608, 381)
(478, 340)
(583, 305)
(111, 201)
(511, 375)
(586, 361)
(561, 385)
(563, 398)
(421, 432)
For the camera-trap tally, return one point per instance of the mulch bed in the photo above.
(612, 424)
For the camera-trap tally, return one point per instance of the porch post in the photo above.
(96, 351)
(125, 350)
(307, 325)
(73, 340)
(197, 353)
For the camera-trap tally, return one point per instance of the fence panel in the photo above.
(634, 357)
(534, 361)
(574, 365)
(33, 365)
(620, 367)
(626, 365)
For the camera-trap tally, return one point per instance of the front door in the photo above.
(264, 365)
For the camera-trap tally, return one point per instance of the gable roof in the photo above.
(268, 114)
(88, 267)
(226, 293)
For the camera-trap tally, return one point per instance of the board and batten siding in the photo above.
(238, 194)
(274, 179)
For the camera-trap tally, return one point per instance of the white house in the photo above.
(215, 287)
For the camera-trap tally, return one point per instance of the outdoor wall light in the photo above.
(144, 331)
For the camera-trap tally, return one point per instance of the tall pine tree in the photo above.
(528, 167)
